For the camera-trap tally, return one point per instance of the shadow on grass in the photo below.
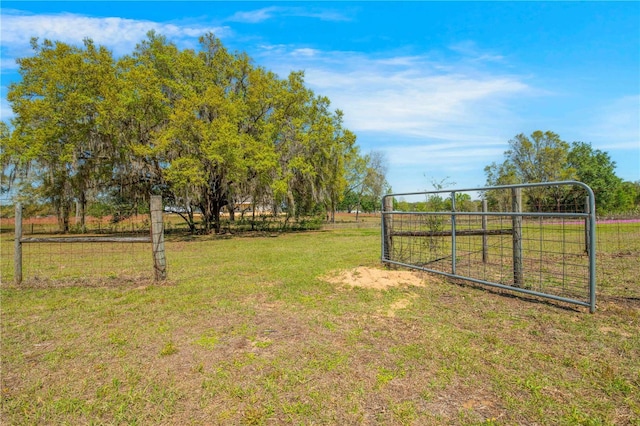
(517, 296)
(93, 282)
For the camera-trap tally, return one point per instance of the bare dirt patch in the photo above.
(401, 304)
(378, 279)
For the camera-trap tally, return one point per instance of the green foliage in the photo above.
(627, 197)
(544, 157)
(366, 182)
(595, 168)
(205, 128)
(6, 154)
(58, 132)
(169, 348)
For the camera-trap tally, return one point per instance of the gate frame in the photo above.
(590, 239)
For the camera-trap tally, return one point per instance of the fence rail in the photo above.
(87, 240)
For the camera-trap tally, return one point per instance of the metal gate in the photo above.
(537, 239)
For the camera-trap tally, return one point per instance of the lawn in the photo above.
(250, 330)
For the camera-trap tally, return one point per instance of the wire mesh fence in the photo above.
(107, 251)
(553, 258)
(618, 257)
(51, 261)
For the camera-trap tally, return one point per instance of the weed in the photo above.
(405, 412)
(117, 339)
(257, 415)
(169, 348)
(208, 340)
(263, 344)
(384, 376)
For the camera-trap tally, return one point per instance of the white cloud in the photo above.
(473, 53)
(255, 16)
(459, 154)
(118, 34)
(266, 13)
(305, 52)
(323, 15)
(406, 95)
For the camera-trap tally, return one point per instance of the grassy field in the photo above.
(248, 331)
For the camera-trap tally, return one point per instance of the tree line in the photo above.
(206, 128)
(538, 158)
(545, 157)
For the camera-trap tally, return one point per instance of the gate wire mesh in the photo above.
(554, 256)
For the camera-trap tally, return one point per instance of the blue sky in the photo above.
(439, 87)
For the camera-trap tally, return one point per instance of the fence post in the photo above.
(516, 208)
(453, 233)
(485, 237)
(587, 230)
(387, 223)
(17, 241)
(157, 238)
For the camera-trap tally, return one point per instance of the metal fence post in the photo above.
(17, 241)
(453, 232)
(587, 223)
(387, 223)
(591, 202)
(516, 208)
(157, 238)
(485, 237)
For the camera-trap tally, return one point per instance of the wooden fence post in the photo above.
(485, 237)
(157, 238)
(17, 241)
(516, 207)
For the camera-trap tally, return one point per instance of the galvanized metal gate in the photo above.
(537, 239)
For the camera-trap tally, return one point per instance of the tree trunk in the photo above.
(213, 202)
(253, 215)
(189, 219)
(216, 217)
(65, 212)
(83, 212)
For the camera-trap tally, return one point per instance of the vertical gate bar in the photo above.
(17, 244)
(586, 225)
(592, 252)
(485, 238)
(516, 204)
(387, 208)
(453, 232)
(382, 214)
